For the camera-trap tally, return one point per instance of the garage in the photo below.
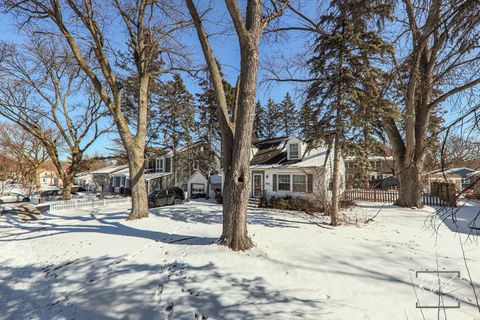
(197, 186)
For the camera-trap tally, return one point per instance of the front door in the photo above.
(257, 185)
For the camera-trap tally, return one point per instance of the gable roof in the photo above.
(270, 151)
(273, 153)
(110, 169)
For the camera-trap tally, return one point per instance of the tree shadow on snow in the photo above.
(104, 288)
(208, 215)
(110, 223)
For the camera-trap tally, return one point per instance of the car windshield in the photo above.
(153, 193)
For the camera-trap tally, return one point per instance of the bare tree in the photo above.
(150, 28)
(237, 129)
(22, 156)
(437, 56)
(39, 93)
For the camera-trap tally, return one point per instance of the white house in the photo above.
(285, 166)
(84, 180)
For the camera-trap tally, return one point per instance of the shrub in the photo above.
(298, 204)
(289, 203)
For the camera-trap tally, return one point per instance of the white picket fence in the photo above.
(87, 203)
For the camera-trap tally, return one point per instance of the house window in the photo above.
(196, 164)
(299, 183)
(168, 164)
(293, 149)
(160, 165)
(284, 182)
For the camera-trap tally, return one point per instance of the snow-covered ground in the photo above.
(92, 264)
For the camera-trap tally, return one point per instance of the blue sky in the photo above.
(225, 47)
(227, 51)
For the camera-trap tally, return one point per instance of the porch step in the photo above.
(254, 202)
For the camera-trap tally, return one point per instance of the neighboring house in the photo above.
(101, 178)
(462, 178)
(382, 166)
(84, 180)
(166, 169)
(284, 166)
(434, 179)
(48, 179)
(463, 172)
(474, 182)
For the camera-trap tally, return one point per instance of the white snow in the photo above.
(95, 265)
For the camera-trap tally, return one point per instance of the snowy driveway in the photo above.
(95, 265)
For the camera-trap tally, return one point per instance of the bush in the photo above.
(298, 204)
(289, 203)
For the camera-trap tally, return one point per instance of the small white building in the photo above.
(199, 186)
(285, 166)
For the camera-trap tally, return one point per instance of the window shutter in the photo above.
(168, 164)
(274, 182)
(309, 183)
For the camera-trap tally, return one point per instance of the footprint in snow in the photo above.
(158, 293)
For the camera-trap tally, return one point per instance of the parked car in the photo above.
(13, 197)
(165, 197)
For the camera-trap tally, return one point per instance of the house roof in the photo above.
(110, 169)
(152, 176)
(273, 153)
(198, 172)
(463, 171)
(444, 174)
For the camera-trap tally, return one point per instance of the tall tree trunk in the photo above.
(411, 186)
(136, 164)
(67, 188)
(237, 175)
(334, 221)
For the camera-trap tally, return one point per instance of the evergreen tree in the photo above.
(288, 116)
(346, 90)
(307, 122)
(272, 123)
(259, 122)
(177, 109)
(208, 123)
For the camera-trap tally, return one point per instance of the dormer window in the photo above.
(293, 151)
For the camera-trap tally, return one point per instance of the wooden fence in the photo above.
(390, 196)
(87, 203)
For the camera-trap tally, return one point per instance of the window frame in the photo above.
(304, 182)
(289, 181)
(290, 145)
(158, 167)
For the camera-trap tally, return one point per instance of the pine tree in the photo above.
(208, 123)
(177, 108)
(259, 122)
(288, 116)
(346, 91)
(307, 122)
(272, 123)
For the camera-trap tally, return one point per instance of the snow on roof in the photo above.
(122, 173)
(216, 178)
(474, 173)
(110, 169)
(151, 176)
(351, 158)
(314, 158)
(454, 170)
